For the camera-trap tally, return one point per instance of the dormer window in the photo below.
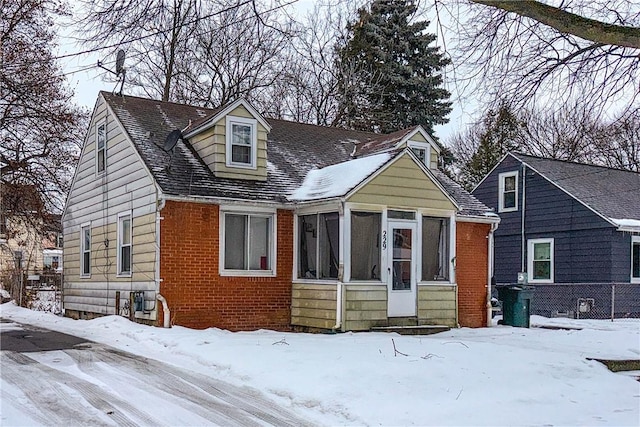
(242, 141)
(421, 151)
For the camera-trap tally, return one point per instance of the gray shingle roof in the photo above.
(293, 149)
(611, 192)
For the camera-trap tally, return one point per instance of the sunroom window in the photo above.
(318, 246)
(435, 249)
(365, 245)
(635, 259)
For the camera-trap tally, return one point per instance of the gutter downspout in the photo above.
(523, 241)
(166, 314)
(490, 269)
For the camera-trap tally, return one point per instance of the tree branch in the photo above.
(570, 23)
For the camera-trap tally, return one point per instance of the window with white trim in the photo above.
(318, 245)
(101, 146)
(635, 259)
(124, 244)
(508, 192)
(242, 142)
(85, 250)
(248, 243)
(540, 260)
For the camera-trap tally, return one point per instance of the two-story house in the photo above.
(223, 218)
(574, 229)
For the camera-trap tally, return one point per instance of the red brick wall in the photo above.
(471, 273)
(197, 296)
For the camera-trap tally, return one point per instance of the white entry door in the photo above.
(401, 277)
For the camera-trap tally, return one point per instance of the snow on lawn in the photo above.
(491, 376)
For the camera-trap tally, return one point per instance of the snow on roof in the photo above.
(627, 223)
(337, 180)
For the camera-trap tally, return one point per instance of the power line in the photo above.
(193, 21)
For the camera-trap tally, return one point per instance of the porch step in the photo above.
(412, 330)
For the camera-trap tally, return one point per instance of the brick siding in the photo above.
(471, 273)
(198, 296)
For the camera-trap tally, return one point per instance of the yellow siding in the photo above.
(313, 306)
(211, 147)
(403, 184)
(437, 305)
(365, 306)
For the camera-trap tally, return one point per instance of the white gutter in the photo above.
(338, 324)
(166, 318)
(490, 263)
(522, 238)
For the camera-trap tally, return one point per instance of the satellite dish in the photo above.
(172, 139)
(120, 62)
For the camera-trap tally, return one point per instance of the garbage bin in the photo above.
(516, 303)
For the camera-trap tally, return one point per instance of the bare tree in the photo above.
(40, 127)
(618, 144)
(533, 53)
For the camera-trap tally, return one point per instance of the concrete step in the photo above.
(412, 330)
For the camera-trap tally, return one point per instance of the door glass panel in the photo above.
(402, 242)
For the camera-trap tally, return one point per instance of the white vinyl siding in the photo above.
(508, 192)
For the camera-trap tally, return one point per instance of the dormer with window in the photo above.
(424, 148)
(233, 142)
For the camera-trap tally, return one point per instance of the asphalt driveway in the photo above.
(66, 380)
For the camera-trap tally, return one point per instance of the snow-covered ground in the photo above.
(491, 376)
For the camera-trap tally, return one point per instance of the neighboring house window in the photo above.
(508, 192)
(540, 260)
(85, 250)
(635, 259)
(101, 146)
(242, 142)
(51, 261)
(124, 244)
(59, 240)
(435, 249)
(248, 242)
(365, 245)
(318, 246)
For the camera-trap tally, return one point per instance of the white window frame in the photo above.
(422, 146)
(530, 253)
(253, 123)
(272, 214)
(635, 240)
(100, 124)
(83, 250)
(121, 217)
(501, 179)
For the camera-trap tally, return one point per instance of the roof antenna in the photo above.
(120, 70)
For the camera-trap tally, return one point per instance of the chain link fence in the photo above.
(586, 300)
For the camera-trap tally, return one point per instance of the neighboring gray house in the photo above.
(565, 223)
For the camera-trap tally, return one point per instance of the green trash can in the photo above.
(516, 304)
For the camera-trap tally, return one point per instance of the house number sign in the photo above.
(384, 239)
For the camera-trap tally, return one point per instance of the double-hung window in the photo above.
(318, 245)
(124, 244)
(242, 142)
(85, 250)
(508, 192)
(248, 243)
(421, 151)
(101, 146)
(635, 259)
(540, 260)
(435, 249)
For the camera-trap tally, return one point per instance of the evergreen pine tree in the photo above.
(389, 75)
